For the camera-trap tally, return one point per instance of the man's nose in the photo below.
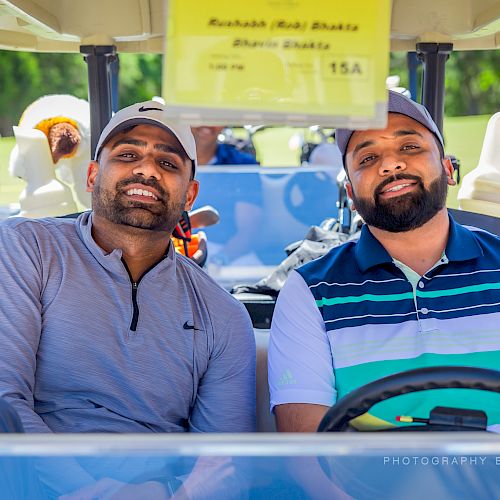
(148, 168)
(391, 164)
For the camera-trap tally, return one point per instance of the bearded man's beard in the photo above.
(115, 207)
(406, 212)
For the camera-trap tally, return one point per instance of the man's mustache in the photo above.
(137, 179)
(397, 177)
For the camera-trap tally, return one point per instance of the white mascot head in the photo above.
(53, 134)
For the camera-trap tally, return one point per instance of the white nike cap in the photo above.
(148, 113)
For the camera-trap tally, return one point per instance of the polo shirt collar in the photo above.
(113, 261)
(462, 245)
(369, 251)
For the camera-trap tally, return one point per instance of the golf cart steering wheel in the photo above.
(359, 401)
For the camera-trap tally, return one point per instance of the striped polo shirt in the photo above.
(378, 324)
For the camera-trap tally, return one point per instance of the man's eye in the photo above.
(127, 156)
(408, 147)
(168, 165)
(366, 159)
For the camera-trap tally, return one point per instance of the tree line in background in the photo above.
(26, 76)
(472, 80)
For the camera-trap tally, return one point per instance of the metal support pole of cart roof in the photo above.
(413, 63)
(434, 57)
(114, 68)
(99, 59)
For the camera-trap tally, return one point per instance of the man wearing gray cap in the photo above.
(105, 327)
(416, 290)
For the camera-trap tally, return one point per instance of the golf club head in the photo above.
(203, 217)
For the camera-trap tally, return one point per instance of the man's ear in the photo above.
(448, 168)
(348, 188)
(192, 193)
(92, 172)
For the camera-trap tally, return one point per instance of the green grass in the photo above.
(274, 149)
(464, 138)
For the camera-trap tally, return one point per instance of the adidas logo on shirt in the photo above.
(287, 378)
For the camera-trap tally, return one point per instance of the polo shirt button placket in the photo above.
(427, 324)
(422, 311)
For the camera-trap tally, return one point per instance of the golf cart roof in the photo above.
(137, 25)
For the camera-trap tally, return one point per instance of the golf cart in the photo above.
(266, 464)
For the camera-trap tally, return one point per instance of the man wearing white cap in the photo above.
(416, 290)
(105, 327)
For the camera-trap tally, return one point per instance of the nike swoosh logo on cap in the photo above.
(142, 109)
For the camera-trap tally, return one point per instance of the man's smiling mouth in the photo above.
(141, 192)
(397, 188)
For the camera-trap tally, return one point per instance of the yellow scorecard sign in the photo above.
(277, 61)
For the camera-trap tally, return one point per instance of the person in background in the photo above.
(237, 196)
(211, 152)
